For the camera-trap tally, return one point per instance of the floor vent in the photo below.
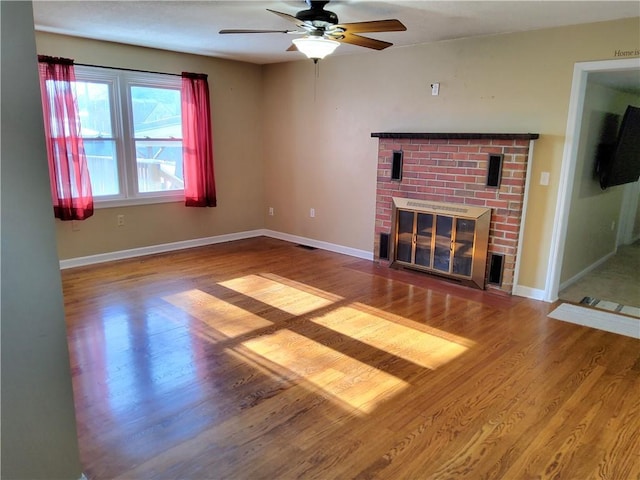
(307, 247)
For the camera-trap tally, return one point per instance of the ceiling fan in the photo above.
(323, 33)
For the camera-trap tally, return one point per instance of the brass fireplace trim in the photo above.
(482, 218)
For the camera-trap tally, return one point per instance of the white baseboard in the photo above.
(528, 292)
(152, 249)
(332, 247)
(519, 290)
(200, 242)
(581, 274)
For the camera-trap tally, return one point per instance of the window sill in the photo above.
(129, 202)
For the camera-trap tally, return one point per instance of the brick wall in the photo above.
(454, 170)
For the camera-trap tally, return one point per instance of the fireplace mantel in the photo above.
(459, 136)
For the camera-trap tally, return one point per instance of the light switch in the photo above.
(544, 178)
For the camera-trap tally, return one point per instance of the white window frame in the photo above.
(120, 82)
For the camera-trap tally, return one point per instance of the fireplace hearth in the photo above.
(481, 173)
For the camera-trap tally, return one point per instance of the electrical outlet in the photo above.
(312, 212)
(271, 211)
(120, 220)
(435, 89)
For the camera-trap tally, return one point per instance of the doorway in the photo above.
(612, 72)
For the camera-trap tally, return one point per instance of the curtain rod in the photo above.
(127, 69)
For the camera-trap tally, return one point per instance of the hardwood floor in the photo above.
(259, 359)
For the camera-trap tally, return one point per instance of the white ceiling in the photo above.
(192, 26)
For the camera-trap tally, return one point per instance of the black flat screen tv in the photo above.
(622, 164)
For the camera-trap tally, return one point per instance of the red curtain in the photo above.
(197, 143)
(68, 170)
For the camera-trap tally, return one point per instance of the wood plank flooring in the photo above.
(258, 359)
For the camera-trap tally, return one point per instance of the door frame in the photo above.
(581, 71)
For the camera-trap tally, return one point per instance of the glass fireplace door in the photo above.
(463, 246)
(449, 240)
(404, 247)
(442, 252)
(424, 239)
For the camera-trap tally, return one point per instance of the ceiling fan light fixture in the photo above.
(315, 48)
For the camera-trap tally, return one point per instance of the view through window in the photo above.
(132, 130)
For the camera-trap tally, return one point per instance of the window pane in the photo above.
(159, 165)
(94, 109)
(156, 112)
(132, 129)
(103, 167)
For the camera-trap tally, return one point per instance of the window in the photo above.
(131, 126)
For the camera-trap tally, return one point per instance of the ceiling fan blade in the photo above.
(361, 41)
(373, 26)
(288, 17)
(257, 31)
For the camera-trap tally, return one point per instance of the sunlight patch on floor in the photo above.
(291, 352)
(348, 381)
(414, 325)
(421, 348)
(223, 317)
(283, 294)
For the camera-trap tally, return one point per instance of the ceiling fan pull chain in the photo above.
(315, 79)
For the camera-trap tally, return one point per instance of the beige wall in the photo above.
(236, 98)
(38, 419)
(288, 139)
(317, 130)
(595, 213)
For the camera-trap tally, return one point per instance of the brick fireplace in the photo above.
(455, 168)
